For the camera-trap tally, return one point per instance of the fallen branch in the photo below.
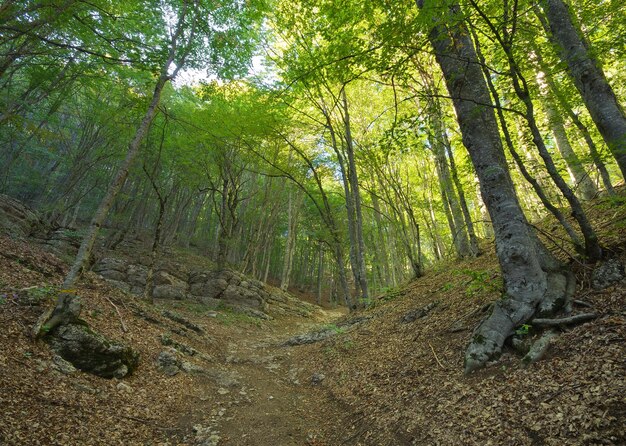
(572, 320)
(582, 303)
(435, 355)
(124, 329)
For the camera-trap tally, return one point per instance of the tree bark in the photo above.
(585, 70)
(532, 278)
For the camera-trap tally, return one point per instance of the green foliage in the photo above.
(228, 316)
(334, 328)
(523, 330)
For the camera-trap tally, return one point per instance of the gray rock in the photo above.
(110, 263)
(317, 378)
(17, 219)
(164, 278)
(115, 275)
(181, 320)
(168, 292)
(62, 365)
(168, 363)
(252, 312)
(119, 284)
(167, 341)
(137, 275)
(607, 273)
(93, 353)
(124, 388)
(191, 368)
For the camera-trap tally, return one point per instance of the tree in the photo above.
(534, 281)
(583, 67)
(186, 39)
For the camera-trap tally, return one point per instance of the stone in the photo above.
(181, 320)
(164, 278)
(124, 388)
(63, 366)
(317, 379)
(168, 363)
(119, 284)
(168, 292)
(251, 312)
(91, 352)
(110, 263)
(191, 368)
(17, 219)
(137, 275)
(607, 273)
(115, 275)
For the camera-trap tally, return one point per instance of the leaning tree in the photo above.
(535, 282)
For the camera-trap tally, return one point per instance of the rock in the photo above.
(93, 353)
(63, 366)
(137, 275)
(251, 312)
(317, 378)
(183, 348)
(168, 292)
(114, 275)
(119, 284)
(242, 296)
(191, 368)
(607, 273)
(124, 388)
(181, 320)
(164, 278)
(16, 219)
(110, 264)
(63, 241)
(168, 363)
(310, 338)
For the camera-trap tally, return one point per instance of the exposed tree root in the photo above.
(539, 348)
(572, 320)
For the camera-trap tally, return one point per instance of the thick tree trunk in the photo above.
(520, 85)
(532, 278)
(518, 160)
(603, 106)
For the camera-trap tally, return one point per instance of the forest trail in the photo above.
(265, 399)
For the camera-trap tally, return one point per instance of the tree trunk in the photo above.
(532, 278)
(575, 167)
(469, 224)
(361, 276)
(290, 243)
(589, 79)
(518, 160)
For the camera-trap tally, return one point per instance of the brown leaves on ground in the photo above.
(406, 385)
(42, 406)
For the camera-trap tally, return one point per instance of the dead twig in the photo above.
(124, 329)
(435, 355)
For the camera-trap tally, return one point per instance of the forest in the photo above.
(333, 150)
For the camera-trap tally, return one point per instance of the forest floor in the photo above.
(395, 378)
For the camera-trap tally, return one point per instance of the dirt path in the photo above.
(263, 398)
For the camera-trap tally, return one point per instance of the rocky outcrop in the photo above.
(18, 220)
(91, 352)
(224, 288)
